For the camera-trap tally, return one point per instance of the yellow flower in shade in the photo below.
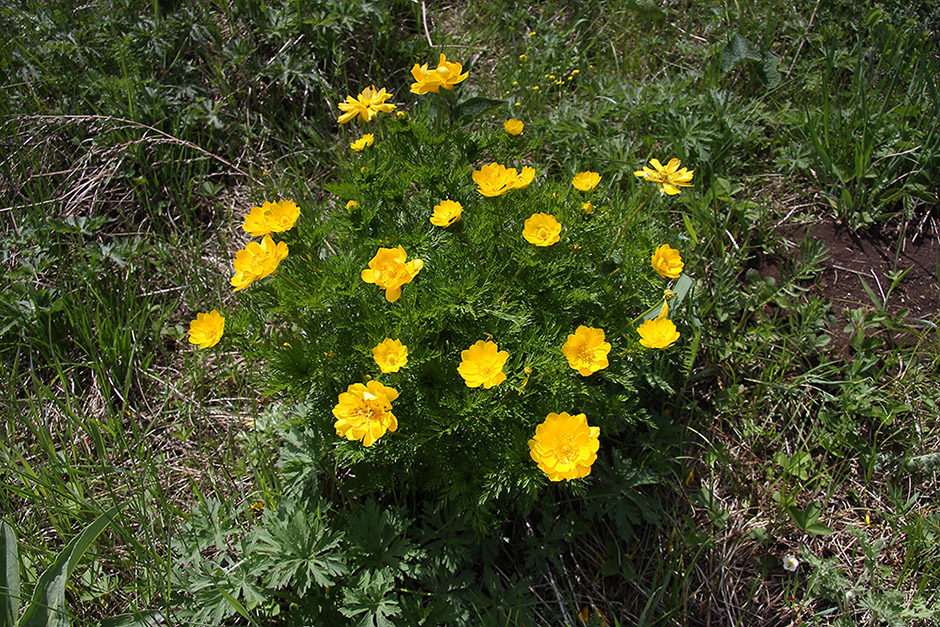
(525, 178)
(271, 217)
(587, 207)
(542, 229)
(513, 126)
(667, 262)
(364, 412)
(482, 364)
(660, 332)
(565, 446)
(206, 329)
(366, 140)
(669, 177)
(365, 106)
(446, 213)
(586, 181)
(586, 350)
(256, 261)
(446, 75)
(495, 180)
(390, 355)
(352, 205)
(389, 271)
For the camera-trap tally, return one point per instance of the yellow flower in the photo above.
(525, 178)
(660, 332)
(271, 217)
(667, 262)
(256, 261)
(365, 106)
(587, 207)
(446, 213)
(542, 229)
(669, 177)
(351, 205)
(586, 350)
(586, 181)
(446, 75)
(513, 126)
(482, 364)
(565, 446)
(390, 355)
(206, 329)
(362, 142)
(495, 179)
(389, 271)
(364, 412)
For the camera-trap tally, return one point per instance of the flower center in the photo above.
(565, 450)
(586, 355)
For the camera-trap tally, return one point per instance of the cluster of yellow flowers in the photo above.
(564, 446)
(253, 263)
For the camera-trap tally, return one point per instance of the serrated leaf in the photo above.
(472, 108)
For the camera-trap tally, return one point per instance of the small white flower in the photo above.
(790, 563)
(850, 595)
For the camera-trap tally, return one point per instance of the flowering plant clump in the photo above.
(493, 324)
(669, 177)
(365, 106)
(446, 213)
(256, 261)
(389, 271)
(542, 229)
(445, 75)
(565, 446)
(364, 412)
(206, 329)
(586, 181)
(667, 262)
(271, 217)
(360, 144)
(482, 364)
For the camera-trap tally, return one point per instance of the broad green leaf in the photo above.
(473, 108)
(47, 607)
(737, 51)
(682, 287)
(819, 529)
(10, 574)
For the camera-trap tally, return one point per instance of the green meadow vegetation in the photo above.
(776, 464)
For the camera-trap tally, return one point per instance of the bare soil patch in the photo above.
(875, 258)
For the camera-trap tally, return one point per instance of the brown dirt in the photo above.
(874, 258)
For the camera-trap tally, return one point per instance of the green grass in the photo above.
(123, 184)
